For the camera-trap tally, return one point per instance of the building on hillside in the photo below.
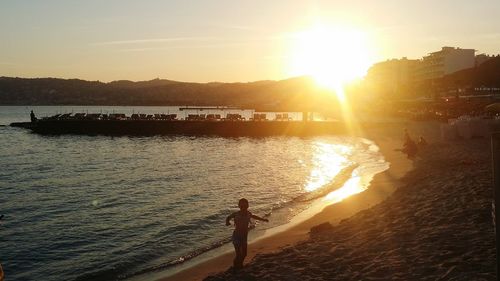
(391, 77)
(482, 58)
(443, 62)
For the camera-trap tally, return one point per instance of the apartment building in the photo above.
(391, 76)
(443, 62)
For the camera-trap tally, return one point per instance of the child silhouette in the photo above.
(240, 233)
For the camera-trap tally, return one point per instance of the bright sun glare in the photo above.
(332, 56)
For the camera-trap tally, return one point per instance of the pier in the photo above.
(226, 125)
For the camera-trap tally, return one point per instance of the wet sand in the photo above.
(427, 219)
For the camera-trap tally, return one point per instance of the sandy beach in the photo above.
(422, 219)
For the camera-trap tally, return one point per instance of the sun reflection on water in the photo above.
(351, 186)
(329, 160)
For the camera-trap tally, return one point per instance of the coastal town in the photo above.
(427, 76)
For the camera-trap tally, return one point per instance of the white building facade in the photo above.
(392, 76)
(443, 62)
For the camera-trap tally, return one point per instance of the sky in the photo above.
(221, 40)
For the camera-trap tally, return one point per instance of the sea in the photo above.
(133, 208)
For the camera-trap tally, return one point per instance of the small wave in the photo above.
(176, 261)
(336, 183)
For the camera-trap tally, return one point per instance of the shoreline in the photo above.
(387, 138)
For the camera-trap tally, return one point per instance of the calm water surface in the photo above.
(109, 208)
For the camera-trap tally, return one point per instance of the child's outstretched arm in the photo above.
(228, 219)
(259, 218)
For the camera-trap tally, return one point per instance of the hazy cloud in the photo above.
(224, 45)
(493, 36)
(232, 26)
(151, 40)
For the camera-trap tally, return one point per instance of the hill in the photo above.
(290, 94)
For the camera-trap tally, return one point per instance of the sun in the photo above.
(331, 55)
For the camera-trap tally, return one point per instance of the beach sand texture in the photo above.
(436, 226)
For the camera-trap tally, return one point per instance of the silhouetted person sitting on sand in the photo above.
(409, 146)
(33, 117)
(240, 233)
